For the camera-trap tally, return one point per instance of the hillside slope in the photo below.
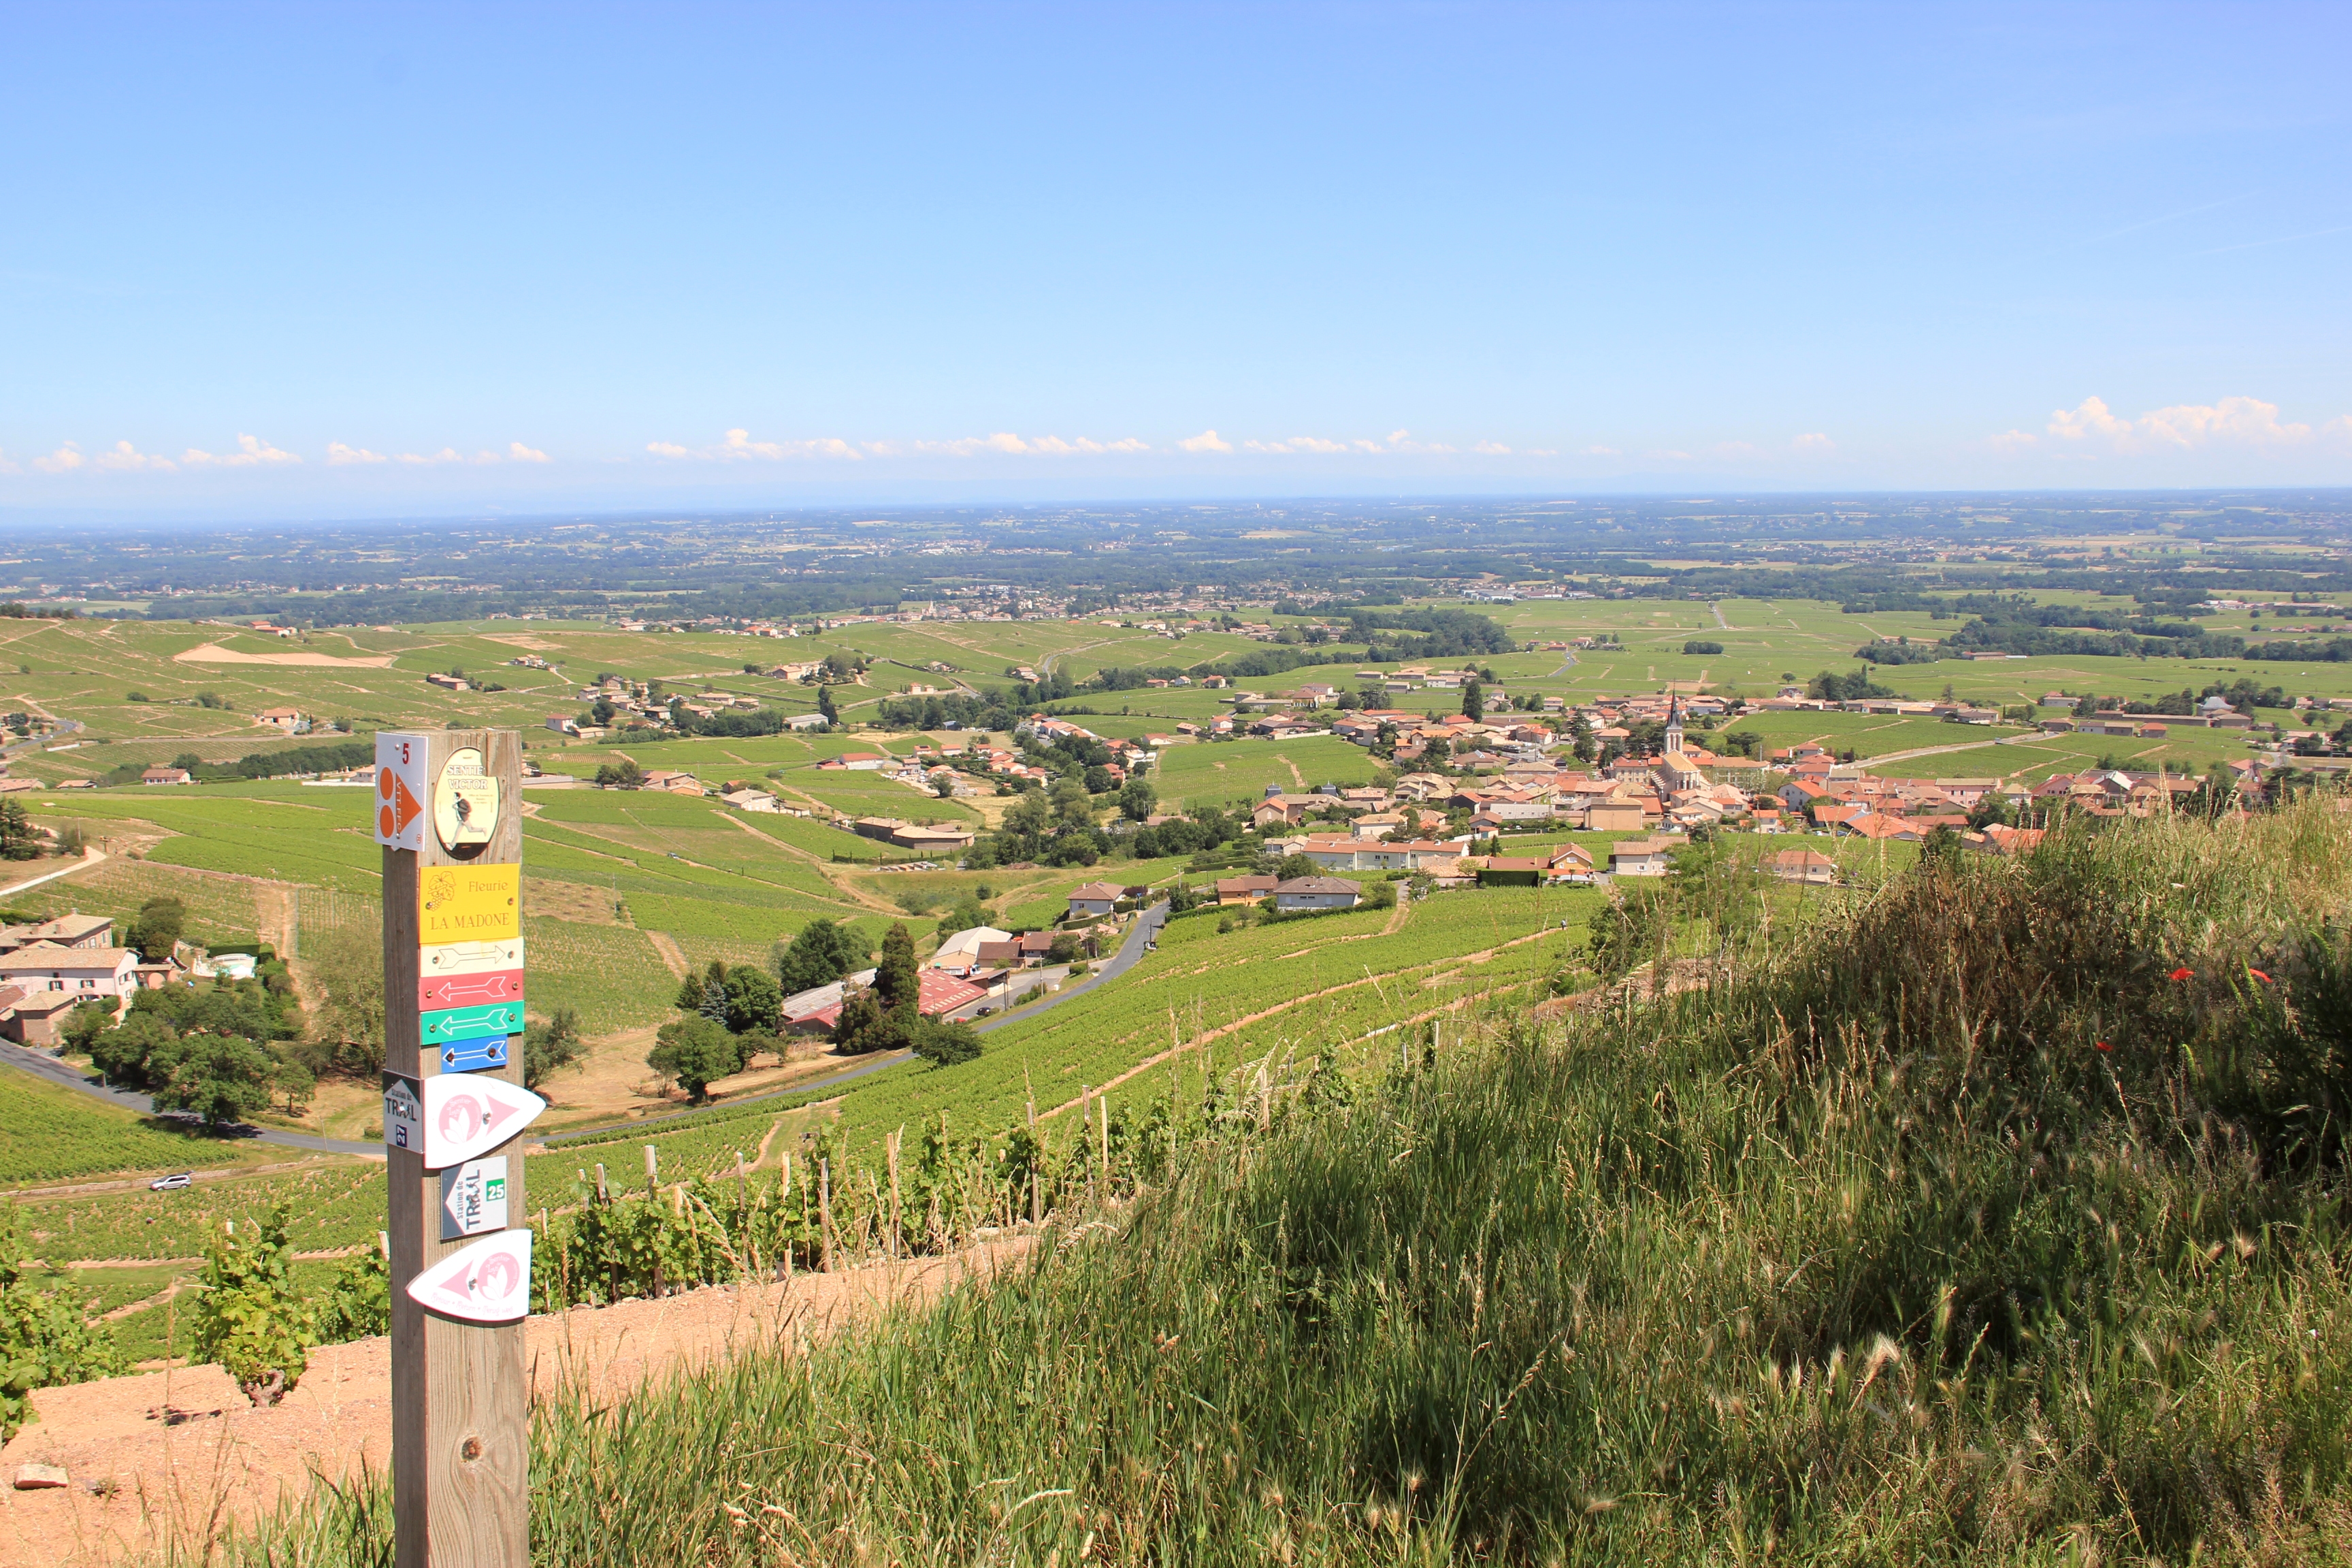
(2002, 1223)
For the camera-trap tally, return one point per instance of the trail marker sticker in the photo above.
(399, 790)
(404, 1113)
(437, 990)
(489, 1283)
(473, 1198)
(469, 903)
(465, 802)
(465, 1116)
(472, 958)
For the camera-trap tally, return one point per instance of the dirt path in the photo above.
(667, 947)
(1295, 776)
(186, 1454)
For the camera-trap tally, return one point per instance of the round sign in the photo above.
(465, 802)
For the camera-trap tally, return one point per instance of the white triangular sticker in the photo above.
(465, 1113)
(488, 1282)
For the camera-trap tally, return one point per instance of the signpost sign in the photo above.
(447, 814)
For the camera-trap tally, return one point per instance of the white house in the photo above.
(1094, 898)
(90, 972)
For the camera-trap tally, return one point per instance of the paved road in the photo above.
(43, 1065)
(1146, 929)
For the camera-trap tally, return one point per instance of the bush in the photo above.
(43, 1341)
(1702, 647)
(251, 1317)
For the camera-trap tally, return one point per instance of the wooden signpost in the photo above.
(449, 806)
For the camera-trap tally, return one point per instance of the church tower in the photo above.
(1674, 728)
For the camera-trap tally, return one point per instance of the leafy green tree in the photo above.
(126, 1053)
(1029, 815)
(1473, 699)
(827, 708)
(220, 1078)
(1991, 811)
(297, 1082)
(347, 968)
(698, 1052)
(623, 775)
(156, 930)
(251, 1316)
(944, 1043)
(43, 1341)
(968, 912)
(1291, 866)
(821, 953)
(1072, 805)
(550, 1047)
(1137, 799)
(754, 1002)
(866, 1023)
(1097, 780)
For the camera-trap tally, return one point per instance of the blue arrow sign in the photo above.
(449, 1024)
(473, 1056)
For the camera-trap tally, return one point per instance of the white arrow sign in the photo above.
(465, 1113)
(470, 957)
(489, 1283)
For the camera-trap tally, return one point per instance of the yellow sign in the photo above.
(469, 903)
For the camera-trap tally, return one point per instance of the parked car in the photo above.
(171, 1183)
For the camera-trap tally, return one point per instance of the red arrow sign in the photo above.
(436, 991)
(466, 1114)
(489, 1283)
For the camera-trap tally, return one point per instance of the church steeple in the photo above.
(1675, 726)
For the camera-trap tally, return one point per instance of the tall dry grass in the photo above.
(1954, 1230)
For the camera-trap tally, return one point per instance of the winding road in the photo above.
(51, 1069)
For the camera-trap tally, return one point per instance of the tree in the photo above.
(1940, 848)
(18, 839)
(623, 775)
(1991, 811)
(297, 1082)
(754, 1002)
(1028, 815)
(347, 967)
(944, 1043)
(898, 981)
(1137, 799)
(827, 708)
(155, 932)
(1072, 804)
(695, 1051)
(1295, 865)
(124, 1053)
(551, 1046)
(44, 1341)
(220, 1078)
(821, 953)
(251, 1317)
(1473, 699)
(968, 912)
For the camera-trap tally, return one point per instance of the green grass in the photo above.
(338, 1203)
(1960, 1234)
(51, 1133)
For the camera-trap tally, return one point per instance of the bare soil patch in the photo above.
(212, 653)
(185, 1454)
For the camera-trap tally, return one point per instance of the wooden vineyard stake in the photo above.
(448, 811)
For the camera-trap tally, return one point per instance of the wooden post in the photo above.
(824, 1208)
(1105, 1105)
(897, 1221)
(459, 1433)
(653, 1170)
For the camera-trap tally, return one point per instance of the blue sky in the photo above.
(339, 259)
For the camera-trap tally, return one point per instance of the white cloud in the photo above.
(64, 460)
(7, 467)
(1601, 451)
(522, 453)
(2013, 441)
(339, 455)
(1206, 441)
(252, 452)
(2182, 427)
(738, 447)
(1813, 443)
(123, 458)
(1491, 450)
